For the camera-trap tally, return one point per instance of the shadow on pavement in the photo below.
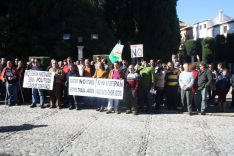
(24, 127)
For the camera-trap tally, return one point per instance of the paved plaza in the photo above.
(46, 132)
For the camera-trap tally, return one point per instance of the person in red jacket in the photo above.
(131, 91)
(10, 75)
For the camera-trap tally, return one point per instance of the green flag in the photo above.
(116, 53)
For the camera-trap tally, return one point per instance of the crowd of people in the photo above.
(149, 86)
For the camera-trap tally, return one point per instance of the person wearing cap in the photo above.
(204, 81)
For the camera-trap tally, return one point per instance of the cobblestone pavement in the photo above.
(38, 132)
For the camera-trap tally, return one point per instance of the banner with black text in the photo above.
(96, 87)
(38, 79)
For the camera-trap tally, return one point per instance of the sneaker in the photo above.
(98, 109)
(33, 105)
(190, 113)
(135, 113)
(60, 107)
(118, 112)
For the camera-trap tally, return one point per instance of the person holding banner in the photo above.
(100, 73)
(73, 100)
(116, 73)
(10, 75)
(55, 94)
(37, 66)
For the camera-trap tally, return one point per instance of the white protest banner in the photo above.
(110, 88)
(136, 50)
(92, 87)
(82, 86)
(38, 79)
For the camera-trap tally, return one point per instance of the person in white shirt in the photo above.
(186, 80)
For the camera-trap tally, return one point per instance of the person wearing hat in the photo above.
(204, 81)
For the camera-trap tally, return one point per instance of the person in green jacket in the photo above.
(147, 80)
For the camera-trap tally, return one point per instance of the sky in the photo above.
(193, 11)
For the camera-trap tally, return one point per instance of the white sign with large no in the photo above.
(136, 50)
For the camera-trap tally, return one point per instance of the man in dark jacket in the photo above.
(204, 81)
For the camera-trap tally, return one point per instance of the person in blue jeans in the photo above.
(204, 81)
(37, 66)
(10, 75)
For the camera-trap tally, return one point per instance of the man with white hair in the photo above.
(186, 80)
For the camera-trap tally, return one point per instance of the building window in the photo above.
(200, 27)
(204, 26)
(225, 29)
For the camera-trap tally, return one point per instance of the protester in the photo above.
(171, 87)
(186, 81)
(223, 86)
(147, 80)
(66, 69)
(159, 86)
(37, 67)
(98, 60)
(10, 75)
(2, 85)
(107, 68)
(211, 90)
(232, 84)
(100, 73)
(81, 67)
(55, 94)
(204, 80)
(73, 100)
(113, 104)
(192, 68)
(132, 90)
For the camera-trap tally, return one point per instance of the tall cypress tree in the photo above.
(153, 23)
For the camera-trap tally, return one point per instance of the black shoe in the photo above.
(190, 113)
(71, 107)
(42, 106)
(108, 112)
(203, 113)
(77, 108)
(60, 107)
(33, 105)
